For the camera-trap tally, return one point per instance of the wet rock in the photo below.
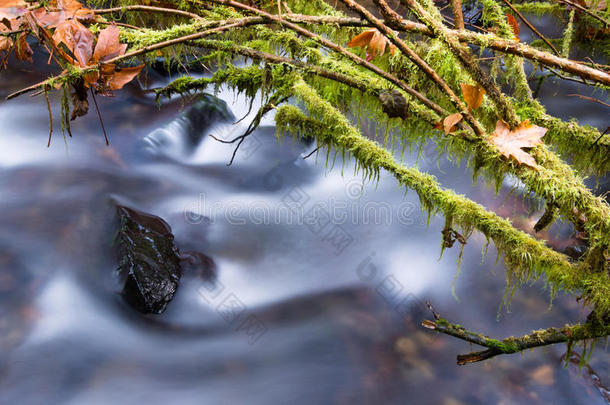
(394, 104)
(149, 260)
(179, 138)
(576, 251)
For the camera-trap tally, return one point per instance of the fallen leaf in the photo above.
(512, 21)
(123, 76)
(12, 8)
(77, 38)
(362, 40)
(108, 45)
(5, 42)
(80, 104)
(511, 143)
(22, 48)
(449, 123)
(374, 41)
(473, 95)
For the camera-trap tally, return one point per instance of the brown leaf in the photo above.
(374, 41)
(5, 42)
(12, 8)
(473, 95)
(376, 46)
(91, 77)
(512, 21)
(80, 104)
(449, 123)
(77, 38)
(511, 143)
(122, 77)
(22, 48)
(362, 40)
(108, 45)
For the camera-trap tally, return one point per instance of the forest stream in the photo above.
(318, 285)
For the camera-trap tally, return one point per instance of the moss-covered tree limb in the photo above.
(525, 257)
(418, 61)
(545, 337)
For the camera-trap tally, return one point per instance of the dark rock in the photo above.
(394, 104)
(576, 251)
(149, 263)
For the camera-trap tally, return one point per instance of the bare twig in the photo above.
(46, 95)
(149, 9)
(331, 45)
(418, 61)
(99, 115)
(586, 11)
(456, 6)
(530, 26)
(595, 100)
(593, 73)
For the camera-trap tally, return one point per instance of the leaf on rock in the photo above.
(108, 45)
(77, 38)
(473, 95)
(511, 142)
(374, 41)
(123, 76)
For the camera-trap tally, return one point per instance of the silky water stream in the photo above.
(320, 280)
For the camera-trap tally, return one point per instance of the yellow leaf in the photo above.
(473, 95)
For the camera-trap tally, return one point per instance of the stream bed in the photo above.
(319, 280)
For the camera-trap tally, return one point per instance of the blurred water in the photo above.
(321, 279)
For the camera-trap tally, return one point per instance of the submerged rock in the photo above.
(149, 262)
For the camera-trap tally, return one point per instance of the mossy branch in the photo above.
(538, 338)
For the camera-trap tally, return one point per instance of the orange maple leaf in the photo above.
(511, 142)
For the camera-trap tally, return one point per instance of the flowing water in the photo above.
(320, 279)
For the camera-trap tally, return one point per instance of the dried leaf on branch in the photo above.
(374, 42)
(511, 142)
(473, 95)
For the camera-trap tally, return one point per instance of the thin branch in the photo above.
(149, 9)
(99, 115)
(46, 95)
(511, 345)
(595, 100)
(310, 154)
(223, 26)
(331, 45)
(463, 55)
(586, 11)
(483, 40)
(456, 7)
(417, 60)
(531, 27)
